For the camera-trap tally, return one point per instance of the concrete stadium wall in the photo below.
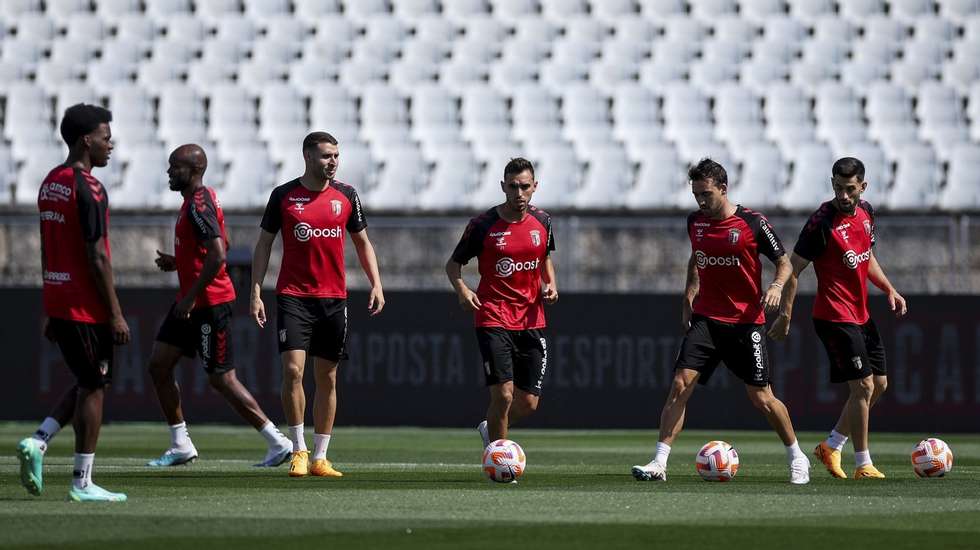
(934, 254)
(610, 363)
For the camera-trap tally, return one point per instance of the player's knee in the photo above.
(502, 395)
(881, 384)
(863, 389)
(679, 388)
(762, 401)
(221, 380)
(530, 402)
(292, 373)
(158, 368)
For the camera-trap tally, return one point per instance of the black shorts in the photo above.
(520, 356)
(87, 349)
(855, 351)
(315, 325)
(207, 333)
(741, 346)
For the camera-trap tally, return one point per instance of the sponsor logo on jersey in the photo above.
(842, 229)
(299, 199)
(299, 207)
(703, 260)
(501, 242)
(733, 235)
(52, 216)
(770, 236)
(507, 266)
(57, 276)
(336, 206)
(535, 237)
(853, 259)
(53, 190)
(304, 232)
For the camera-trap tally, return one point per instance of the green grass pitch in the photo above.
(423, 488)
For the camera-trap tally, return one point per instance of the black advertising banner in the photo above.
(610, 361)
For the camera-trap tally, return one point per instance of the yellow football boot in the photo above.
(299, 465)
(322, 467)
(868, 471)
(830, 458)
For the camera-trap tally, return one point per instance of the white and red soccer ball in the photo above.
(932, 458)
(504, 461)
(717, 461)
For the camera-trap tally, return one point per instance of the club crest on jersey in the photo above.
(733, 235)
(535, 237)
(337, 207)
(867, 227)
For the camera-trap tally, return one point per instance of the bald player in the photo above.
(199, 322)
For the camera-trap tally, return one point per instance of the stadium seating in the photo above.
(572, 84)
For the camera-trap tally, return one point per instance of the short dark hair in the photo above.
(707, 169)
(82, 119)
(517, 166)
(848, 167)
(315, 138)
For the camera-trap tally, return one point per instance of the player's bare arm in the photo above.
(467, 298)
(550, 292)
(101, 268)
(213, 262)
(877, 276)
(260, 264)
(780, 327)
(166, 262)
(773, 295)
(369, 263)
(690, 293)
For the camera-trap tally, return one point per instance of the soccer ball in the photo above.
(717, 461)
(504, 461)
(932, 458)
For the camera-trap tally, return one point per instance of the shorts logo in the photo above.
(756, 337)
(103, 367)
(856, 361)
(507, 266)
(535, 237)
(703, 260)
(205, 329)
(282, 335)
(544, 362)
(853, 259)
(304, 232)
(733, 235)
(486, 367)
(336, 206)
(757, 355)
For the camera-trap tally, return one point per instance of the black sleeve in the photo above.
(551, 236)
(93, 203)
(356, 222)
(470, 245)
(690, 224)
(768, 242)
(813, 239)
(272, 219)
(871, 214)
(204, 217)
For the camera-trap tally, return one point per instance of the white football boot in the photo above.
(650, 472)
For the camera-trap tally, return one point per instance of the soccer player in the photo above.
(723, 314)
(839, 239)
(82, 310)
(199, 322)
(313, 212)
(512, 242)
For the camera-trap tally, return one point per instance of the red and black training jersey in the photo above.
(74, 209)
(312, 225)
(200, 220)
(839, 246)
(510, 257)
(726, 253)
